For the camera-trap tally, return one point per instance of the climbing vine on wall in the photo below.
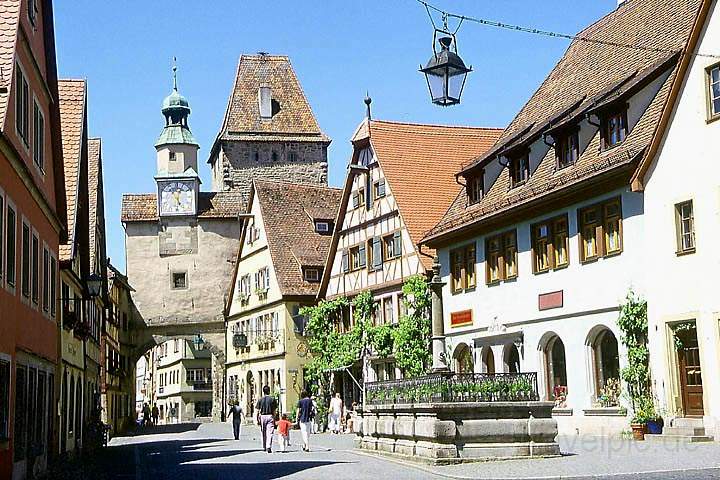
(408, 340)
(633, 324)
(412, 334)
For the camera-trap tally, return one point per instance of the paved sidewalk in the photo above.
(207, 451)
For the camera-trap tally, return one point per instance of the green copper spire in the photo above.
(176, 110)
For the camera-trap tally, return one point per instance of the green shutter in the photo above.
(397, 244)
(363, 255)
(377, 253)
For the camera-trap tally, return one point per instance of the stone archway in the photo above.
(213, 334)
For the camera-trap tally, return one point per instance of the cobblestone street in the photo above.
(207, 452)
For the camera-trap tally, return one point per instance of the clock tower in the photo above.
(177, 179)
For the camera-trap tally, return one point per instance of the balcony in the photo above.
(202, 385)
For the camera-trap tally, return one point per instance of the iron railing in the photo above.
(446, 388)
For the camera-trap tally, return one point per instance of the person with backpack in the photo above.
(266, 410)
(306, 414)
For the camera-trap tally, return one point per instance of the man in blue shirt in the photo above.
(306, 413)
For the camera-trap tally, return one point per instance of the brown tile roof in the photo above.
(288, 212)
(294, 119)
(9, 18)
(587, 74)
(142, 207)
(419, 163)
(72, 94)
(94, 189)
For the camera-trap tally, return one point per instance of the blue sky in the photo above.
(339, 50)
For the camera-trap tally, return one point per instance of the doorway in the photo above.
(691, 388)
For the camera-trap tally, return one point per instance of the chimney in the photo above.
(620, 3)
(265, 102)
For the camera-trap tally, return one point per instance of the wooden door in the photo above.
(690, 373)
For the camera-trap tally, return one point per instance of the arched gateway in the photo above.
(180, 248)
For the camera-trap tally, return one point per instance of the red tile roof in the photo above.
(419, 163)
(9, 19)
(94, 190)
(72, 95)
(142, 207)
(288, 213)
(294, 118)
(588, 74)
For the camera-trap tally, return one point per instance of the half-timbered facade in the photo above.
(400, 181)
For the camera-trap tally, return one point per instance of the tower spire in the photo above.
(174, 69)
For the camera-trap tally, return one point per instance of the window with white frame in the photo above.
(35, 279)
(46, 280)
(322, 226)
(25, 260)
(22, 106)
(38, 137)
(10, 247)
(4, 398)
(262, 280)
(713, 82)
(685, 227)
(243, 288)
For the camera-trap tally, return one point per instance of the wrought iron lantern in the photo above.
(94, 285)
(445, 72)
(239, 340)
(199, 342)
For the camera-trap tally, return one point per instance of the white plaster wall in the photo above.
(591, 295)
(686, 287)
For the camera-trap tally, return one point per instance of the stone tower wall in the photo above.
(301, 162)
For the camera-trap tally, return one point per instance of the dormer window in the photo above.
(311, 274)
(614, 128)
(567, 149)
(322, 226)
(474, 188)
(519, 170)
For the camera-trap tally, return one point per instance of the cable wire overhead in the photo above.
(546, 33)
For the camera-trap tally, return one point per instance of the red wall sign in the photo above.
(458, 319)
(547, 301)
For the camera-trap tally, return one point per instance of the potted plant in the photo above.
(643, 413)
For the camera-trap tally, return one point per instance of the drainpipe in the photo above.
(436, 285)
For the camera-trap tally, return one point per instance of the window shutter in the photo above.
(363, 255)
(381, 187)
(257, 280)
(397, 244)
(267, 278)
(345, 263)
(355, 200)
(377, 253)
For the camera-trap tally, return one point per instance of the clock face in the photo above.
(177, 198)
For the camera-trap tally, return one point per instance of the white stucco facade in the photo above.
(509, 313)
(682, 285)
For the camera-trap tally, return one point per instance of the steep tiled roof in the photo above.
(9, 18)
(588, 74)
(72, 116)
(292, 116)
(419, 163)
(142, 207)
(288, 210)
(94, 185)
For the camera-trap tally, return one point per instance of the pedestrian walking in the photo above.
(283, 426)
(306, 414)
(155, 414)
(237, 415)
(146, 415)
(336, 411)
(266, 410)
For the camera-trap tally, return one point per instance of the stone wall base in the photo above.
(456, 433)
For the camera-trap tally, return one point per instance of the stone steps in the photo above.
(685, 431)
(677, 439)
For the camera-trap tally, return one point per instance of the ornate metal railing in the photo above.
(445, 388)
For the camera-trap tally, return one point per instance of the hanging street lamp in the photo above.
(445, 72)
(199, 342)
(94, 285)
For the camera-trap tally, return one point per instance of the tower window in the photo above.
(173, 156)
(179, 280)
(274, 156)
(256, 155)
(292, 156)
